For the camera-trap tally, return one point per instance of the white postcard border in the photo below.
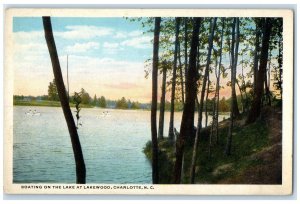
(195, 189)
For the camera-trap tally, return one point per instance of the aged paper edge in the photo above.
(208, 189)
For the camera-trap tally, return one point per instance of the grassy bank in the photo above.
(45, 103)
(255, 158)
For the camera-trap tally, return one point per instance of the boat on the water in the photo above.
(105, 114)
(32, 113)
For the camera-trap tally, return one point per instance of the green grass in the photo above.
(246, 141)
(46, 103)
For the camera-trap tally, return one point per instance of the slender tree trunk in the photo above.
(206, 101)
(162, 104)
(269, 69)
(155, 170)
(229, 137)
(191, 124)
(279, 60)
(242, 97)
(185, 50)
(256, 104)
(189, 106)
(267, 77)
(256, 53)
(213, 124)
(181, 74)
(79, 160)
(244, 89)
(235, 108)
(182, 168)
(199, 126)
(218, 83)
(171, 126)
(267, 92)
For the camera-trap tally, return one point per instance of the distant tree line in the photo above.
(123, 103)
(86, 99)
(102, 102)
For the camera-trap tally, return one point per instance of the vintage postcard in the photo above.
(148, 101)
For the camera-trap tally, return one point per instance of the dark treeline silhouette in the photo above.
(246, 53)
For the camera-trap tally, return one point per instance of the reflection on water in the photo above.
(112, 143)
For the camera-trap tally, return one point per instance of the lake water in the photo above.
(112, 145)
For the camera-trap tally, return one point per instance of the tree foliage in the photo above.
(52, 91)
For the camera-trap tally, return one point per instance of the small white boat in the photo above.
(105, 114)
(33, 113)
(28, 112)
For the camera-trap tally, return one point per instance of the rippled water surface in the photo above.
(112, 145)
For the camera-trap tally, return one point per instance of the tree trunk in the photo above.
(162, 104)
(234, 109)
(279, 60)
(256, 104)
(185, 50)
(235, 52)
(189, 106)
(206, 101)
(181, 74)
(213, 124)
(199, 126)
(244, 89)
(218, 83)
(191, 124)
(242, 97)
(267, 81)
(256, 55)
(63, 97)
(155, 170)
(171, 126)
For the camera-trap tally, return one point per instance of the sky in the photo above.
(105, 56)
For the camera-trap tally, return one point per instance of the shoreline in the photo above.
(57, 104)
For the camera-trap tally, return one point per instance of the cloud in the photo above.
(100, 68)
(142, 42)
(24, 36)
(84, 32)
(120, 35)
(135, 33)
(110, 45)
(82, 47)
(71, 33)
(32, 43)
(30, 47)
